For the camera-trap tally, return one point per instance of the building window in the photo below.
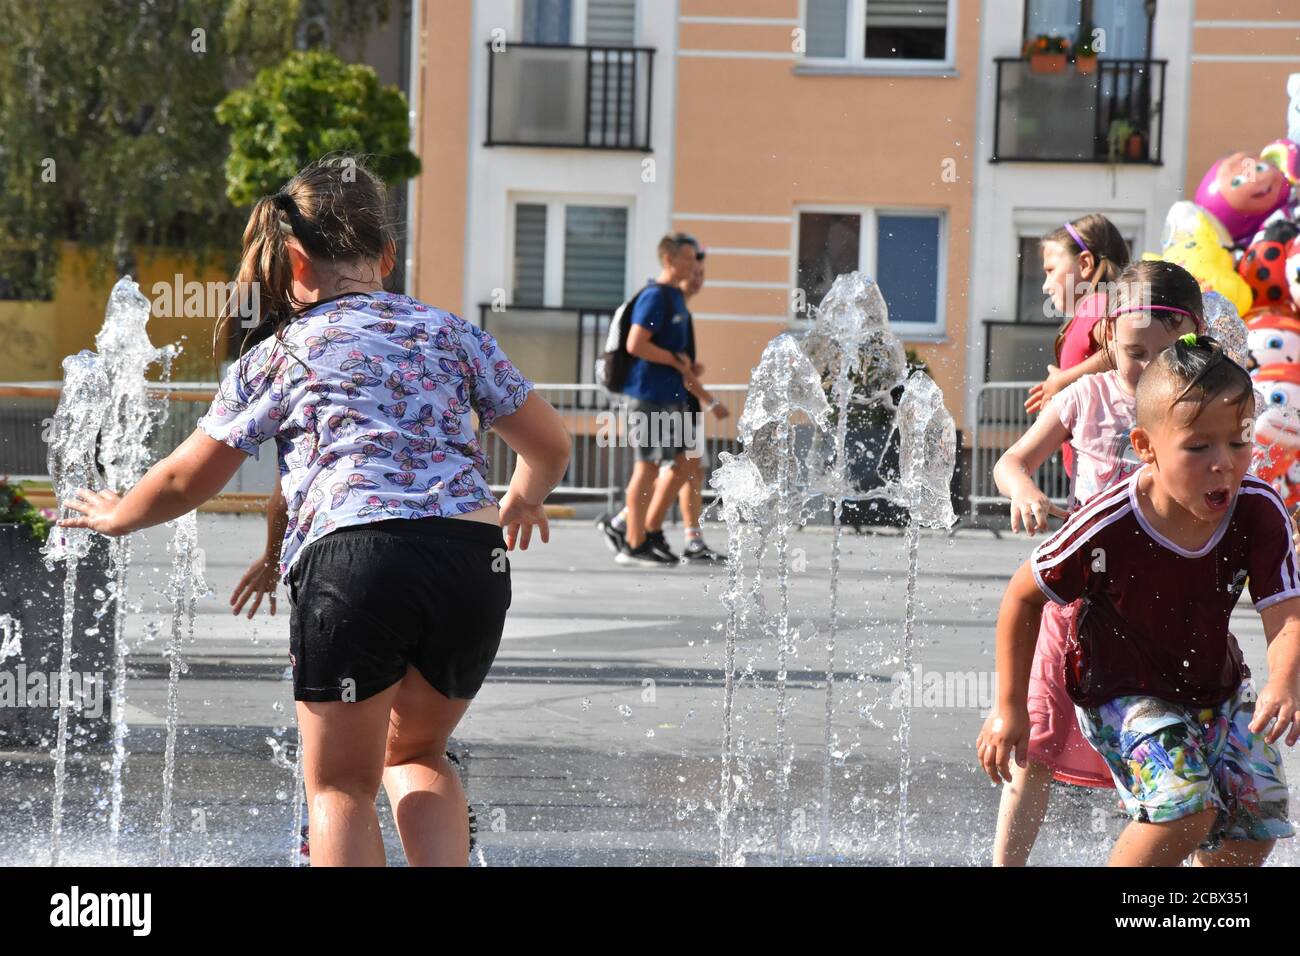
(547, 21)
(1125, 25)
(902, 249)
(879, 32)
(569, 255)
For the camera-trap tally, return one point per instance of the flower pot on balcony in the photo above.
(1085, 65)
(1136, 147)
(1047, 62)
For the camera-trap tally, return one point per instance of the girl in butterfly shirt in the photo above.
(392, 543)
(1156, 302)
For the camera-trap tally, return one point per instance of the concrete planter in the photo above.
(29, 682)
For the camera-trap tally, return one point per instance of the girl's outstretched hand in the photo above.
(260, 580)
(518, 518)
(1045, 391)
(1029, 512)
(96, 510)
(1005, 730)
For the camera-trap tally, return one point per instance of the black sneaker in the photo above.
(697, 552)
(616, 539)
(644, 556)
(658, 544)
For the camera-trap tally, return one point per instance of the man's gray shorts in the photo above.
(658, 432)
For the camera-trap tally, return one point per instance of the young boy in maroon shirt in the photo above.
(1160, 687)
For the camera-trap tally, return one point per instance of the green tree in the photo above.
(311, 105)
(106, 108)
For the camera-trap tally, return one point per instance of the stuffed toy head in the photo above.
(1279, 422)
(1193, 240)
(1241, 192)
(1273, 338)
(1264, 267)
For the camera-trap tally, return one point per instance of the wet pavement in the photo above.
(597, 738)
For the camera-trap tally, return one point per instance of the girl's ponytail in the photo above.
(264, 282)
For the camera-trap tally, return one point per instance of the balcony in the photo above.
(577, 97)
(1112, 114)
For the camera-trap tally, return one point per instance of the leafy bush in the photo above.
(309, 106)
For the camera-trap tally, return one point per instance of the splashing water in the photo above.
(74, 434)
(186, 584)
(133, 414)
(850, 353)
(12, 644)
(1223, 323)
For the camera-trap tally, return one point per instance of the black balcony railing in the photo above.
(550, 343)
(1109, 114)
(583, 97)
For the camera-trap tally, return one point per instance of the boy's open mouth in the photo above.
(1217, 500)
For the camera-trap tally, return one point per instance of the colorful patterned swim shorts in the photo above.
(1170, 761)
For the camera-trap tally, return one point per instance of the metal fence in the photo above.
(600, 462)
(1000, 419)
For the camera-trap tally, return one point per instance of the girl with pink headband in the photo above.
(1156, 302)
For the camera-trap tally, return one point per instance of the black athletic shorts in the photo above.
(367, 600)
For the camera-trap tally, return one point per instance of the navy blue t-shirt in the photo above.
(662, 310)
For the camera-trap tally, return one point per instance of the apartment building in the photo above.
(798, 139)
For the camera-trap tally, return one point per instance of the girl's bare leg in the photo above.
(423, 786)
(1021, 812)
(343, 762)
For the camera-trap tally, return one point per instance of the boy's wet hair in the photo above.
(1194, 369)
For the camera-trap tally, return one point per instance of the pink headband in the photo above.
(1074, 234)
(1153, 308)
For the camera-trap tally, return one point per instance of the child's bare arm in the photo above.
(1280, 697)
(1007, 728)
(1012, 474)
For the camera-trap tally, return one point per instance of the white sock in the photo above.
(620, 520)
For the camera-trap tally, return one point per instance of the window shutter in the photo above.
(595, 256)
(611, 22)
(916, 14)
(530, 254)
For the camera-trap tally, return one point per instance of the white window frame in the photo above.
(554, 251)
(1036, 223)
(867, 261)
(855, 57)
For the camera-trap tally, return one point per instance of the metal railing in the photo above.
(1112, 114)
(1000, 419)
(600, 462)
(583, 97)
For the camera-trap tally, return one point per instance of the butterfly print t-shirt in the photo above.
(368, 398)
